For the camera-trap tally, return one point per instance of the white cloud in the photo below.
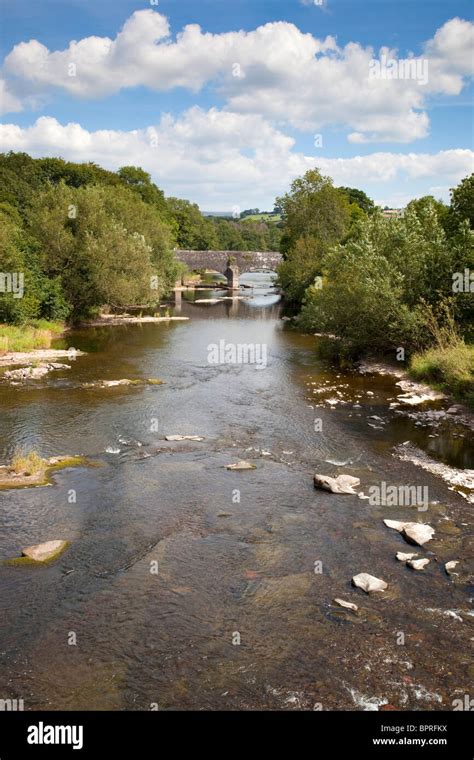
(9, 103)
(285, 75)
(221, 159)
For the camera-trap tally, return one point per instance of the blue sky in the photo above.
(143, 92)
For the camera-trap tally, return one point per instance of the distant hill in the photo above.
(217, 213)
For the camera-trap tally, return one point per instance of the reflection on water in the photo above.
(235, 551)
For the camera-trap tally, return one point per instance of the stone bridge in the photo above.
(242, 261)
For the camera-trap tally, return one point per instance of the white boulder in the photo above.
(369, 583)
(346, 605)
(418, 564)
(416, 533)
(340, 484)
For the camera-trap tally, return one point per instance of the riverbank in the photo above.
(36, 356)
(416, 393)
(447, 370)
(31, 343)
(126, 319)
(38, 334)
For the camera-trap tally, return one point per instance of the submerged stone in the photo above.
(34, 373)
(46, 551)
(346, 605)
(242, 465)
(184, 438)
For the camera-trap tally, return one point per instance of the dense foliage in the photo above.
(316, 216)
(213, 233)
(382, 286)
(83, 237)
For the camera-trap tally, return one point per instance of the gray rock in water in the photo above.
(450, 566)
(369, 583)
(418, 564)
(114, 383)
(346, 605)
(242, 465)
(416, 533)
(34, 373)
(184, 438)
(46, 551)
(402, 557)
(340, 484)
(454, 410)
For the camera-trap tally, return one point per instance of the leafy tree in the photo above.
(360, 198)
(92, 239)
(360, 302)
(300, 268)
(462, 205)
(55, 170)
(140, 181)
(315, 216)
(426, 201)
(194, 231)
(313, 208)
(17, 259)
(381, 285)
(20, 178)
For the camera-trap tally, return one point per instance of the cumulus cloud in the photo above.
(9, 103)
(276, 71)
(223, 158)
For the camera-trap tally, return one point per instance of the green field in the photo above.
(262, 218)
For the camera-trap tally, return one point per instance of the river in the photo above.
(189, 586)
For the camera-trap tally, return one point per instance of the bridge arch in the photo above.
(242, 262)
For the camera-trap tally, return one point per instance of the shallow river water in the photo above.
(189, 586)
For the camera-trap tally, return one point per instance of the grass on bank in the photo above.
(35, 335)
(29, 463)
(450, 368)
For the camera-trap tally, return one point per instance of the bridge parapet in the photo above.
(246, 261)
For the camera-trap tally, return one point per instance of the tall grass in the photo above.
(450, 367)
(448, 362)
(27, 463)
(35, 335)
